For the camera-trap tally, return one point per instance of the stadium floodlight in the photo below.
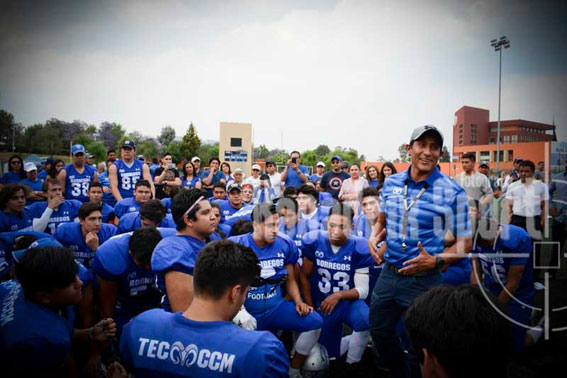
(498, 44)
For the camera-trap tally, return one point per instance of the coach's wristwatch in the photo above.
(439, 262)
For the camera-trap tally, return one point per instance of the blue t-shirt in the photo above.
(326, 199)
(33, 185)
(362, 227)
(137, 288)
(77, 184)
(34, 340)
(443, 206)
(216, 178)
(496, 264)
(42, 175)
(132, 221)
(261, 300)
(70, 235)
(226, 209)
(334, 272)
(296, 233)
(125, 206)
(314, 178)
(10, 178)
(158, 343)
(10, 222)
(244, 213)
(66, 212)
(293, 179)
(175, 253)
(190, 183)
(127, 176)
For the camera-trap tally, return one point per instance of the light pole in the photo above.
(498, 44)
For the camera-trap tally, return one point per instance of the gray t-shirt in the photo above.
(476, 185)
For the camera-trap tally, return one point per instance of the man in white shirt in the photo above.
(527, 201)
(275, 178)
(254, 180)
(475, 184)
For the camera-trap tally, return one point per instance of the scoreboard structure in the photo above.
(235, 145)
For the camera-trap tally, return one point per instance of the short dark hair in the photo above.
(213, 159)
(263, 211)
(214, 204)
(222, 265)
(182, 202)
(219, 184)
(87, 208)
(153, 210)
(469, 155)
(369, 191)
(310, 191)
(166, 154)
(109, 151)
(290, 190)
(24, 241)
(342, 209)
(8, 191)
(528, 163)
(241, 227)
(295, 152)
(142, 243)
(45, 269)
(288, 204)
(95, 184)
(456, 322)
(49, 180)
(142, 183)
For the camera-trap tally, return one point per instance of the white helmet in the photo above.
(317, 361)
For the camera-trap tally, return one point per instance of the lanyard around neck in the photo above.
(407, 209)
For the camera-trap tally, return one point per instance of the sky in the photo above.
(358, 74)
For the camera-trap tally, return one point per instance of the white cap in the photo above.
(28, 167)
(320, 164)
(256, 166)
(237, 170)
(195, 158)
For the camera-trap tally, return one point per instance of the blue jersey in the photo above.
(34, 186)
(158, 343)
(320, 216)
(137, 288)
(325, 199)
(273, 259)
(362, 227)
(296, 233)
(7, 240)
(244, 213)
(107, 197)
(34, 340)
(132, 221)
(10, 178)
(226, 209)
(175, 253)
(42, 175)
(77, 184)
(64, 213)
(166, 203)
(10, 222)
(293, 179)
(127, 176)
(70, 235)
(495, 263)
(334, 272)
(125, 206)
(190, 183)
(107, 211)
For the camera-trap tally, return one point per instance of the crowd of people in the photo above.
(152, 268)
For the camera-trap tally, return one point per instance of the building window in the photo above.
(235, 142)
(510, 155)
(484, 156)
(491, 140)
(506, 138)
(514, 139)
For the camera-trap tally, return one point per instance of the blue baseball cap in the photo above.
(39, 243)
(78, 148)
(337, 157)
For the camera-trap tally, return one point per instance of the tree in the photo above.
(321, 150)
(11, 132)
(166, 136)
(149, 148)
(50, 140)
(206, 152)
(261, 152)
(403, 153)
(91, 131)
(135, 136)
(190, 143)
(173, 148)
(309, 158)
(446, 155)
(93, 147)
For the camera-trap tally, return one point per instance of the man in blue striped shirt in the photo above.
(417, 208)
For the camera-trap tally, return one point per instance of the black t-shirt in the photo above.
(159, 188)
(332, 182)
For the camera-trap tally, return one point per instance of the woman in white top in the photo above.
(351, 187)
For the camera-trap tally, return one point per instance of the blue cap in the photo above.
(77, 148)
(337, 157)
(39, 243)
